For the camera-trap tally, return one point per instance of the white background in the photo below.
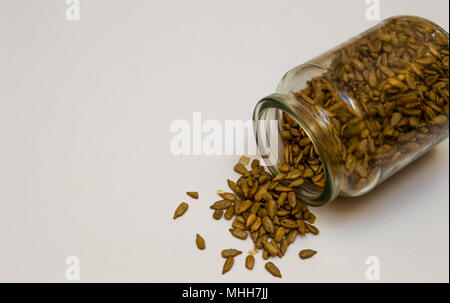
(85, 166)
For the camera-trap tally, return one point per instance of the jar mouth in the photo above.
(272, 107)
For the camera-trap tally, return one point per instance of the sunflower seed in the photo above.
(192, 194)
(200, 242)
(227, 265)
(231, 252)
(273, 270)
(307, 253)
(181, 209)
(249, 262)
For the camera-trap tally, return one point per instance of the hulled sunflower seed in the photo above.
(238, 233)
(227, 265)
(306, 253)
(217, 214)
(249, 262)
(231, 252)
(272, 269)
(221, 205)
(200, 242)
(181, 209)
(192, 194)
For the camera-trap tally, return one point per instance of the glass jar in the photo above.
(368, 107)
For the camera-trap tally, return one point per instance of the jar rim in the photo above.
(307, 122)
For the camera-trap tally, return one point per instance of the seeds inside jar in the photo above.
(386, 98)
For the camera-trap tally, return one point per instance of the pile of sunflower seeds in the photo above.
(264, 209)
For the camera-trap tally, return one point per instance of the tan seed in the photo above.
(280, 234)
(312, 229)
(271, 247)
(229, 213)
(244, 206)
(221, 205)
(200, 242)
(292, 199)
(238, 233)
(271, 208)
(250, 220)
(192, 194)
(181, 209)
(244, 160)
(227, 265)
(268, 224)
(273, 270)
(217, 214)
(306, 253)
(249, 262)
(231, 252)
(239, 168)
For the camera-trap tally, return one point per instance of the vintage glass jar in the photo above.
(369, 106)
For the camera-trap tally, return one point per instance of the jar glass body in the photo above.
(370, 106)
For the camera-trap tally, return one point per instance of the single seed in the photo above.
(238, 233)
(181, 209)
(271, 247)
(292, 199)
(291, 236)
(229, 213)
(273, 270)
(279, 234)
(268, 224)
(228, 196)
(283, 189)
(239, 168)
(238, 225)
(307, 253)
(192, 194)
(244, 160)
(221, 205)
(283, 246)
(255, 226)
(250, 220)
(217, 214)
(231, 252)
(200, 242)
(255, 164)
(244, 206)
(249, 262)
(297, 183)
(289, 223)
(271, 208)
(312, 229)
(301, 227)
(228, 265)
